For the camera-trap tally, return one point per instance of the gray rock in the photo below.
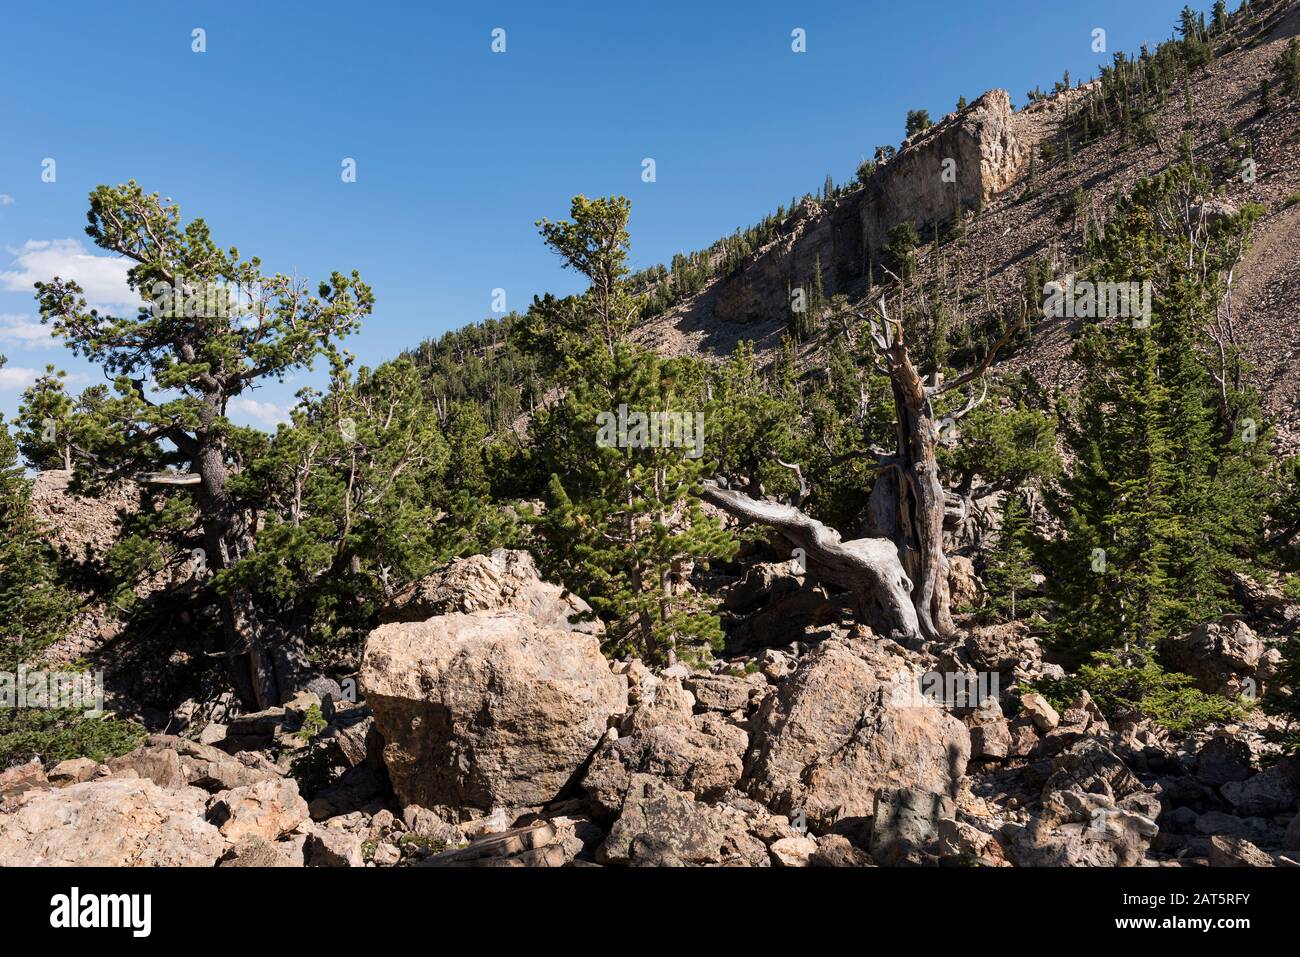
(1273, 791)
(840, 728)
(1237, 852)
(906, 823)
(659, 825)
(333, 847)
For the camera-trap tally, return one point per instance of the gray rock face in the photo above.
(172, 762)
(906, 823)
(838, 731)
(661, 826)
(699, 754)
(1236, 852)
(1225, 657)
(1093, 814)
(1222, 759)
(114, 822)
(722, 692)
(1272, 791)
(486, 710)
(506, 580)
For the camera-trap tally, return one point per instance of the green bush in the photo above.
(59, 734)
(1164, 696)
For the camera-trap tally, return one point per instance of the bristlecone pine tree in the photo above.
(216, 325)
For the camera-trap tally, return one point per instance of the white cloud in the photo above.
(267, 413)
(23, 332)
(102, 278)
(16, 377)
(6, 199)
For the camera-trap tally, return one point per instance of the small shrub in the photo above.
(313, 723)
(60, 734)
(1166, 697)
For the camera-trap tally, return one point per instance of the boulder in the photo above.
(1040, 712)
(761, 584)
(1091, 767)
(73, 771)
(251, 851)
(964, 587)
(1228, 851)
(506, 580)
(1225, 657)
(691, 759)
(905, 824)
(171, 761)
(835, 850)
(793, 851)
(724, 693)
(661, 826)
(1222, 759)
(333, 847)
(486, 710)
(702, 754)
(966, 844)
(838, 730)
(112, 822)
(21, 778)
(1272, 791)
(1077, 829)
(1094, 813)
(267, 810)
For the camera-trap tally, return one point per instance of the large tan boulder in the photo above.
(267, 809)
(113, 822)
(506, 580)
(486, 710)
(844, 726)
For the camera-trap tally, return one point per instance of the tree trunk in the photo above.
(907, 503)
(259, 679)
(900, 574)
(868, 567)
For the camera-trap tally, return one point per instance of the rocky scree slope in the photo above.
(499, 735)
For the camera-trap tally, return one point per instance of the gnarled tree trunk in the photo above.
(868, 567)
(900, 575)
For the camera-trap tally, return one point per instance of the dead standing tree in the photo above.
(899, 575)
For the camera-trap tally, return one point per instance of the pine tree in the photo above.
(623, 521)
(34, 608)
(1009, 574)
(900, 250)
(45, 415)
(918, 120)
(1165, 497)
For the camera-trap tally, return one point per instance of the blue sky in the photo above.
(459, 149)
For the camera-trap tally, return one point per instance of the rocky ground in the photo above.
(489, 731)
